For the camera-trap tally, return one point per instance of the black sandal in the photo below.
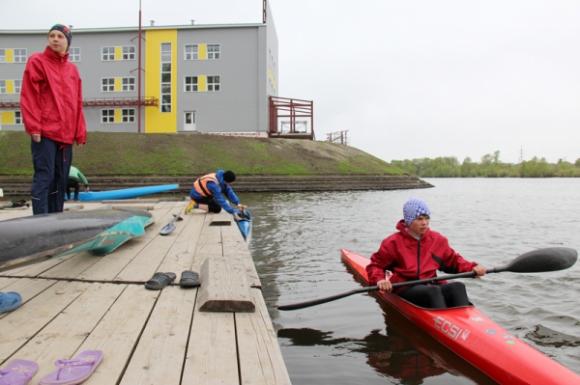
(189, 279)
(159, 281)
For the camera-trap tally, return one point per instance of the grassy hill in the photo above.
(127, 154)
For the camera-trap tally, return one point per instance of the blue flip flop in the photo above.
(9, 301)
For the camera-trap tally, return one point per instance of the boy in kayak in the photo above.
(52, 108)
(211, 191)
(417, 252)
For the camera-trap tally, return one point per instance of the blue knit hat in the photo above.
(413, 209)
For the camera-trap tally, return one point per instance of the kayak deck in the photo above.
(474, 337)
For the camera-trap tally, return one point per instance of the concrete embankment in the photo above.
(20, 185)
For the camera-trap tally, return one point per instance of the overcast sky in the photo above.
(406, 78)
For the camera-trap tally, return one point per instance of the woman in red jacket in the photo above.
(52, 108)
(417, 252)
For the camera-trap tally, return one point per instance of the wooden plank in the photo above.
(5, 281)
(109, 266)
(181, 254)
(224, 286)
(261, 361)
(35, 269)
(211, 353)
(160, 353)
(118, 332)
(235, 246)
(19, 326)
(61, 338)
(72, 267)
(28, 288)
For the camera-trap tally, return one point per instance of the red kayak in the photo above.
(474, 337)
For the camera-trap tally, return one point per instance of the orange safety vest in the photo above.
(200, 185)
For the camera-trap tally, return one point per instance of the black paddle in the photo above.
(537, 261)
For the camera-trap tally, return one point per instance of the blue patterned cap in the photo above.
(414, 208)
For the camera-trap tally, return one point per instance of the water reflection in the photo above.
(402, 353)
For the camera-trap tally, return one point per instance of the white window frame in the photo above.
(108, 115)
(191, 52)
(108, 54)
(213, 51)
(191, 84)
(2, 55)
(213, 83)
(107, 84)
(17, 86)
(128, 115)
(3, 88)
(20, 55)
(166, 102)
(128, 84)
(74, 54)
(17, 117)
(129, 52)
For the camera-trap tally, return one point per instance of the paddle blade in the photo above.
(167, 229)
(542, 260)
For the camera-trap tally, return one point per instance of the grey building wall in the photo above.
(241, 104)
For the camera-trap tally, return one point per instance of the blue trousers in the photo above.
(51, 161)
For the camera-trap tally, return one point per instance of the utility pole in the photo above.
(139, 69)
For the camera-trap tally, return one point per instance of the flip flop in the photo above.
(18, 372)
(9, 301)
(189, 279)
(75, 371)
(159, 281)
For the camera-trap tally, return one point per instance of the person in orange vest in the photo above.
(214, 192)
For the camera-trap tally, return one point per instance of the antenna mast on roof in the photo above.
(264, 15)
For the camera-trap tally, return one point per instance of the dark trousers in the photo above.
(72, 185)
(437, 296)
(51, 161)
(213, 206)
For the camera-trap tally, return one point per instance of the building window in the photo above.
(2, 86)
(191, 52)
(213, 51)
(20, 55)
(213, 83)
(108, 85)
(129, 84)
(129, 52)
(108, 116)
(2, 55)
(17, 117)
(17, 86)
(108, 53)
(128, 115)
(191, 84)
(165, 77)
(74, 54)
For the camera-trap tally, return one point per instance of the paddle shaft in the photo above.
(319, 301)
(541, 260)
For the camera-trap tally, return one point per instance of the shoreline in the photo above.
(18, 186)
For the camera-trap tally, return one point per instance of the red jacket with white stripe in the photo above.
(409, 259)
(51, 98)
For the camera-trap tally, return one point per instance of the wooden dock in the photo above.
(83, 302)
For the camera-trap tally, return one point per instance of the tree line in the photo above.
(489, 166)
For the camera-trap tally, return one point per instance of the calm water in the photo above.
(296, 242)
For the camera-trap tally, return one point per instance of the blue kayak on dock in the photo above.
(126, 193)
(245, 224)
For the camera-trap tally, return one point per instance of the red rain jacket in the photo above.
(51, 99)
(409, 259)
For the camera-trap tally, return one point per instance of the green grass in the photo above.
(126, 154)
